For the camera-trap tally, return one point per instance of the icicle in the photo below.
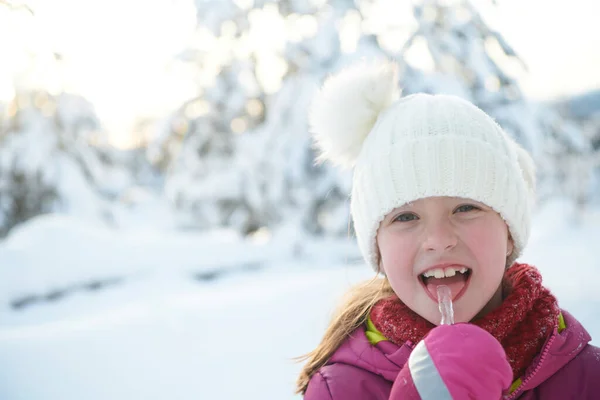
(445, 304)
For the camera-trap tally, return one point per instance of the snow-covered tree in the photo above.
(54, 158)
(571, 161)
(240, 154)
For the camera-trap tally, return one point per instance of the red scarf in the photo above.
(527, 316)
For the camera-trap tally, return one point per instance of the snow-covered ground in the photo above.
(90, 313)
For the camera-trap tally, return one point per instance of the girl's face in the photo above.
(452, 241)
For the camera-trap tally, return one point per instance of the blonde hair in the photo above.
(352, 313)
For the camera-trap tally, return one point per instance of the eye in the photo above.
(466, 208)
(406, 217)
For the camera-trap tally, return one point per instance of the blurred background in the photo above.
(164, 230)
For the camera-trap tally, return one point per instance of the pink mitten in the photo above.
(454, 362)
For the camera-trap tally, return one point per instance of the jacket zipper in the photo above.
(519, 390)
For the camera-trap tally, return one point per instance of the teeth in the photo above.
(444, 273)
(438, 273)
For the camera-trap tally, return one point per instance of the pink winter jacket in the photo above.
(566, 368)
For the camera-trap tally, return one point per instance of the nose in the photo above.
(439, 236)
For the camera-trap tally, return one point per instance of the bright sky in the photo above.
(116, 52)
(559, 41)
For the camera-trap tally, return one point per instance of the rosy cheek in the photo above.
(477, 236)
(483, 238)
(396, 251)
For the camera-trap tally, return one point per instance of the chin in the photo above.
(434, 317)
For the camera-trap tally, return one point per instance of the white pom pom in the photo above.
(346, 109)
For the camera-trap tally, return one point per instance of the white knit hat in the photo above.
(415, 147)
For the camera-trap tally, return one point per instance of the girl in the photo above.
(441, 196)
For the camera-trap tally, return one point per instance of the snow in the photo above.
(163, 330)
(104, 254)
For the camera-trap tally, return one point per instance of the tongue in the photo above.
(455, 283)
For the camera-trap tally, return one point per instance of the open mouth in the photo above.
(455, 277)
